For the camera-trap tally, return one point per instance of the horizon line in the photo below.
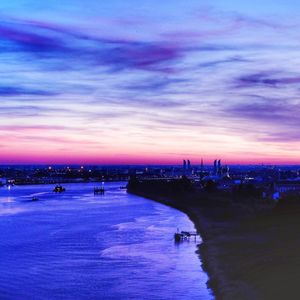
(144, 164)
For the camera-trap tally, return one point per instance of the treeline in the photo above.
(236, 202)
(167, 188)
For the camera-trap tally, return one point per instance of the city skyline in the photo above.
(132, 83)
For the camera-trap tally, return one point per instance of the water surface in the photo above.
(75, 245)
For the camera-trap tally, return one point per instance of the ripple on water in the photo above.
(79, 246)
(5, 211)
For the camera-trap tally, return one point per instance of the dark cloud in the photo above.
(68, 45)
(26, 40)
(7, 91)
(229, 60)
(265, 79)
(60, 47)
(148, 56)
(54, 47)
(155, 84)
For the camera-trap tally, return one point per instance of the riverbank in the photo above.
(79, 181)
(253, 256)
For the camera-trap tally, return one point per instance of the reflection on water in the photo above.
(75, 245)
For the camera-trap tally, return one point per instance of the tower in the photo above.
(201, 169)
(215, 167)
(219, 172)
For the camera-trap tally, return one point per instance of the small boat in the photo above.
(34, 199)
(123, 187)
(59, 189)
(177, 237)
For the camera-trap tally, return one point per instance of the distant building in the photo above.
(220, 175)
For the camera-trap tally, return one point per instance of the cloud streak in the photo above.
(219, 80)
(50, 41)
(268, 79)
(10, 91)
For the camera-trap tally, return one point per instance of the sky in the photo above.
(148, 82)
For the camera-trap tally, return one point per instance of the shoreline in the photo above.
(200, 227)
(249, 258)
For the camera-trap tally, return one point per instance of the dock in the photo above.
(184, 235)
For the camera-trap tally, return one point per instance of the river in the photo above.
(75, 245)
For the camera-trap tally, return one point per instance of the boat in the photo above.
(59, 189)
(34, 199)
(177, 237)
(123, 187)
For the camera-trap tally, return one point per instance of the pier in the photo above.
(185, 235)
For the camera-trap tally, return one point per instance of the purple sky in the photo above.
(151, 81)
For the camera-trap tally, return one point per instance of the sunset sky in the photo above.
(149, 81)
